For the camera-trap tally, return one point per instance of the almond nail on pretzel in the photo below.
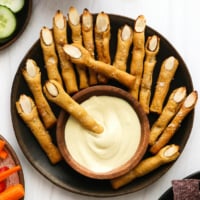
(32, 76)
(60, 37)
(75, 25)
(102, 41)
(88, 41)
(152, 47)
(49, 54)
(138, 53)
(167, 71)
(174, 102)
(124, 41)
(79, 54)
(27, 110)
(188, 105)
(55, 93)
(167, 154)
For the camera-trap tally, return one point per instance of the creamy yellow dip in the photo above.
(115, 146)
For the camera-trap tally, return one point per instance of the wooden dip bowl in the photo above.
(105, 90)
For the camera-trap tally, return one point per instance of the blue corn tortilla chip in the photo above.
(186, 189)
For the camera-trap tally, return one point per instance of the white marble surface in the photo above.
(177, 20)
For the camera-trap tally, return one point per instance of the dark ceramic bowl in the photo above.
(62, 174)
(23, 18)
(169, 193)
(103, 90)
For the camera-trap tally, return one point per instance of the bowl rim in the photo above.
(104, 90)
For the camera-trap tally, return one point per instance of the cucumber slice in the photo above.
(14, 5)
(8, 22)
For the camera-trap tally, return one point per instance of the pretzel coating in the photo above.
(167, 154)
(168, 69)
(124, 41)
(102, 41)
(75, 25)
(49, 54)
(32, 76)
(55, 93)
(138, 53)
(28, 112)
(174, 102)
(60, 37)
(188, 105)
(88, 41)
(79, 54)
(152, 47)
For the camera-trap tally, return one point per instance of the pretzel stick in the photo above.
(151, 50)
(60, 37)
(124, 41)
(79, 54)
(88, 41)
(165, 77)
(174, 103)
(28, 112)
(136, 67)
(55, 93)
(188, 105)
(167, 154)
(32, 75)
(102, 41)
(49, 54)
(75, 25)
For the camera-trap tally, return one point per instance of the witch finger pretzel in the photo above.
(49, 54)
(136, 67)
(88, 41)
(55, 93)
(168, 69)
(102, 41)
(151, 50)
(32, 75)
(125, 39)
(60, 37)
(188, 105)
(79, 54)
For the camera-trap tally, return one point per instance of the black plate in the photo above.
(22, 20)
(61, 174)
(169, 193)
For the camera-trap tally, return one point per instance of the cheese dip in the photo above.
(113, 147)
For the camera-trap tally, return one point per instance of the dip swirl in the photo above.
(112, 148)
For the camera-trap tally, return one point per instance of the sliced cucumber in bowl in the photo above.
(8, 23)
(14, 5)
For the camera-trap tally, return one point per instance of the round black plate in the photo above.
(22, 20)
(61, 174)
(169, 193)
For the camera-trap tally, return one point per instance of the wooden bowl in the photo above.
(10, 161)
(136, 157)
